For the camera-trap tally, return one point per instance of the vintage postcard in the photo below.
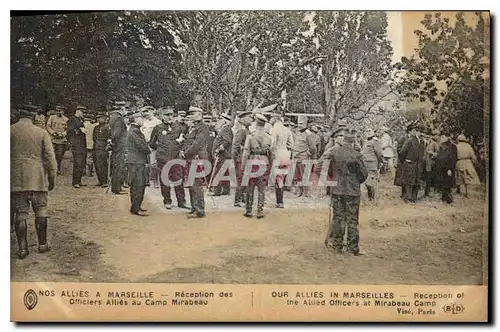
(250, 166)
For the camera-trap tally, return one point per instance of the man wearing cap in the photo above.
(150, 122)
(136, 159)
(89, 125)
(430, 155)
(336, 139)
(165, 141)
(258, 147)
(444, 168)
(57, 125)
(76, 137)
(118, 139)
(372, 157)
(411, 161)
(222, 152)
(387, 150)
(33, 174)
(305, 148)
(282, 146)
(245, 119)
(101, 136)
(349, 172)
(195, 149)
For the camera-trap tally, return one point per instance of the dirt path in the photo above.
(94, 238)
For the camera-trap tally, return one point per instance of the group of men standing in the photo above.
(437, 159)
(131, 148)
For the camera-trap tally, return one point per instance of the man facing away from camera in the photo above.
(349, 172)
(33, 174)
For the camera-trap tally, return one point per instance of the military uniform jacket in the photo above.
(195, 145)
(75, 134)
(239, 143)
(259, 143)
(118, 131)
(223, 140)
(411, 159)
(348, 170)
(372, 155)
(56, 126)
(304, 145)
(32, 158)
(163, 140)
(136, 146)
(101, 135)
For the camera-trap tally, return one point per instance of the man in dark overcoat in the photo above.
(411, 161)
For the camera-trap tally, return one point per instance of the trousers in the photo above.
(197, 197)
(223, 187)
(101, 165)
(59, 150)
(260, 183)
(175, 173)
(119, 170)
(79, 162)
(345, 215)
(137, 178)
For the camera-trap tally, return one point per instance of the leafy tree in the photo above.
(447, 73)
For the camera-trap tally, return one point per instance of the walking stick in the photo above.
(376, 187)
(110, 176)
(213, 172)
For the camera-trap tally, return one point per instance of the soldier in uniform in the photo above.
(444, 169)
(33, 174)
(76, 136)
(100, 137)
(118, 138)
(304, 149)
(222, 151)
(349, 172)
(411, 164)
(245, 119)
(258, 146)
(283, 144)
(57, 125)
(136, 158)
(165, 141)
(372, 158)
(40, 118)
(89, 125)
(317, 140)
(387, 150)
(466, 172)
(195, 149)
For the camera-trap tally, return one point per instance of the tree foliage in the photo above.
(447, 73)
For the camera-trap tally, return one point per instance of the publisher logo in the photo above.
(30, 299)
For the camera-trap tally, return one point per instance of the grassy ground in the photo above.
(95, 239)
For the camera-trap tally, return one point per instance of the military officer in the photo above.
(444, 168)
(136, 159)
(40, 118)
(372, 158)
(194, 150)
(101, 135)
(212, 133)
(165, 141)
(349, 172)
(56, 126)
(33, 174)
(411, 164)
(89, 124)
(222, 151)
(118, 129)
(245, 120)
(283, 144)
(77, 138)
(258, 147)
(304, 149)
(431, 152)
